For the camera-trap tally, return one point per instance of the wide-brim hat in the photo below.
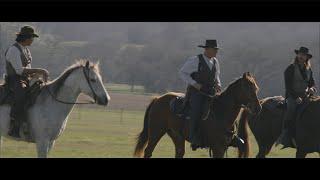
(210, 44)
(303, 50)
(27, 31)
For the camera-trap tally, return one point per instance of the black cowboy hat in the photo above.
(210, 44)
(27, 31)
(303, 50)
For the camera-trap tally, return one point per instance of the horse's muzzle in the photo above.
(103, 101)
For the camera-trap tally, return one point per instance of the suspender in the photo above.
(200, 59)
(23, 57)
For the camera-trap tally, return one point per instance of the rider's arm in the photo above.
(190, 66)
(217, 81)
(13, 56)
(311, 82)
(288, 79)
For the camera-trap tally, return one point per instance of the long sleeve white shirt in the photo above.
(191, 65)
(14, 57)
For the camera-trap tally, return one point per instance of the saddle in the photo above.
(181, 108)
(6, 94)
(274, 104)
(278, 105)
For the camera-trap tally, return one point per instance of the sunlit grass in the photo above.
(102, 133)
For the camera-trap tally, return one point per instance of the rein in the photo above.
(216, 97)
(86, 75)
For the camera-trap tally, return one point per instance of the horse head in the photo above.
(92, 84)
(247, 95)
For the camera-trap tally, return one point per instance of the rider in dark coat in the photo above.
(299, 83)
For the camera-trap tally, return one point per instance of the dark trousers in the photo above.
(290, 114)
(18, 87)
(197, 102)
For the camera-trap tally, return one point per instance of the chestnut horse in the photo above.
(266, 127)
(216, 129)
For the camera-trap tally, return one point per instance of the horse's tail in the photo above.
(142, 138)
(243, 132)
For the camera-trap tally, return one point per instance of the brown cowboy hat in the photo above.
(27, 31)
(303, 50)
(210, 44)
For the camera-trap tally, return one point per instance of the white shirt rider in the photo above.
(191, 65)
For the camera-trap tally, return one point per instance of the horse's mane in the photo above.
(57, 83)
(231, 85)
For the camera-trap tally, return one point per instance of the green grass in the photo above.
(126, 89)
(101, 133)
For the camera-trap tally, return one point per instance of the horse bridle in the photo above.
(87, 76)
(215, 96)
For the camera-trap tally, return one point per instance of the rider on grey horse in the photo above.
(201, 73)
(299, 83)
(19, 56)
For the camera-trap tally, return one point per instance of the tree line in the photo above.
(150, 54)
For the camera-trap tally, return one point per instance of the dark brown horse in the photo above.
(159, 120)
(266, 127)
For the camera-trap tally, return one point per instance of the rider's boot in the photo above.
(14, 129)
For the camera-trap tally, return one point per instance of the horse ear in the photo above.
(245, 75)
(87, 64)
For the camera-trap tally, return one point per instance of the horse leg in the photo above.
(1, 145)
(51, 144)
(300, 153)
(264, 150)
(179, 143)
(218, 152)
(42, 148)
(152, 142)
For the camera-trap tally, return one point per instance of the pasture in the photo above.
(110, 132)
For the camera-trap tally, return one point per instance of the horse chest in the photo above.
(48, 122)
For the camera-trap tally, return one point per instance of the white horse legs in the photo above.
(42, 149)
(1, 145)
(51, 144)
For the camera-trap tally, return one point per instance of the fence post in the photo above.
(121, 115)
(79, 112)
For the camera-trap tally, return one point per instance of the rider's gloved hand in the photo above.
(299, 100)
(312, 90)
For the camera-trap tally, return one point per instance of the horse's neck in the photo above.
(228, 108)
(69, 91)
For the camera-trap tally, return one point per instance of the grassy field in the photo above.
(107, 133)
(125, 88)
(101, 133)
